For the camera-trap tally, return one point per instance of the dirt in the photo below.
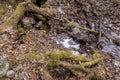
(88, 14)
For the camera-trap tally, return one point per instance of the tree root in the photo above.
(45, 75)
(13, 20)
(91, 63)
(68, 61)
(74, 67)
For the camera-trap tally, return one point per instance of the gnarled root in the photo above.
(13, 20)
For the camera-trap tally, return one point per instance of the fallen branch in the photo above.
(81, 28)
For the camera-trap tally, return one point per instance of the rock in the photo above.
(42, 26)
(10, 74)
(76, 30)
(84, 55)
(28, 22)
(4, 66)
(21, 75)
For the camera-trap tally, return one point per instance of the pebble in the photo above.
(10, 74)
(21, 75)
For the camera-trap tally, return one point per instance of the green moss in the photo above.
(31, 56)
(2, 11)
(64, 54)
(59, 55)
(53, 64)
(43, 32)
(54, 57)
(40, 17)
(51, 55)
(21, 31)
(92, 63)
(80, 59)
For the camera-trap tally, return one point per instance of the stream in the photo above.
(107, 47)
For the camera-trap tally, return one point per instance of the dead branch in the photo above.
(81, 28)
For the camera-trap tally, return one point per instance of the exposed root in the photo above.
(74, 67)
(92, 63)
(68, 61)
(13, 20)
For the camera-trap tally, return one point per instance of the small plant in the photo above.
(21, 31)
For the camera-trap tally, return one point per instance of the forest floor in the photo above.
(33, 37)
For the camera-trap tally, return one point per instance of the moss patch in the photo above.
(2, 11)
(31, 56)
(74, 64)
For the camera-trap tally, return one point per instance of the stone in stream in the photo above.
(79, 35)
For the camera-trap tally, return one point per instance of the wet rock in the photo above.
(70, 43)
(10, 74)
(79, 35)
(66, 41)
(75, 52)
(84, 55)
